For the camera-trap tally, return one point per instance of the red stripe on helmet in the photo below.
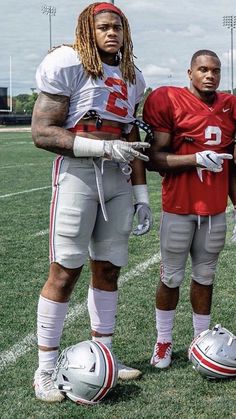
(84, 402)
(202, 358)
(110, 372)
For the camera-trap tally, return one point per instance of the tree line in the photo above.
(24, 103)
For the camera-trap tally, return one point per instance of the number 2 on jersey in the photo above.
(212, 130)
(113, 96)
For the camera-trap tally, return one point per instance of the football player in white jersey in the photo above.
(89, 92)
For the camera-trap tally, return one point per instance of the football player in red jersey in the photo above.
(85, 114)
(192, 146)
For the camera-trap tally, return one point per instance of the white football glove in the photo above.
(210, 160)
(125, 152)
(145, 221)
(117, 150)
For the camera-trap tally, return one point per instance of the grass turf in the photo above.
(178, 392)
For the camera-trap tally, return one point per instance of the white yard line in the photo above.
(41, 233)
(13, 166)
(22, 192)
(20, 349)
(11, 144)
(15, 129)
(17, 166)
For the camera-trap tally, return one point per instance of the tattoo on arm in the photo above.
(49, 115)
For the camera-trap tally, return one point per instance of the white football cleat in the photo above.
(44, 387)
(127, 373)
(161, 357)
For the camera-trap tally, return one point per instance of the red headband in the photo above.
(102, 7)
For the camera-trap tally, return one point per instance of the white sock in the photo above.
(164, 325)
(107, 340)
(47, 359)
(102, 306)
(201, 322)
(50, 321)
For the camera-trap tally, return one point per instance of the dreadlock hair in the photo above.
(85, 44)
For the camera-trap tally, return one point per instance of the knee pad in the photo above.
(204, 275)
(172, 278)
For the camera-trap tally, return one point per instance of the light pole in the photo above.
(170, 79)
(230, 23)
(50, 11)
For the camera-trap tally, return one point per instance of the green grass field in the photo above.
(178, 392)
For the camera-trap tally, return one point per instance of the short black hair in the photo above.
(203, 52)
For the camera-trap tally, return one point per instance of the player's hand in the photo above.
(210, 160)
(125, 152)
(145, 221)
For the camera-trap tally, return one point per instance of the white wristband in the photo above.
(141, 193)
(87, 147)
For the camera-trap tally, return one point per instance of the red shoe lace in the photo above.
(162, 349)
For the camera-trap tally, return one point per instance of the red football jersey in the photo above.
(194, 127)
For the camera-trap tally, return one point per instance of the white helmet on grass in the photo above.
(86, 372)
(213, 353)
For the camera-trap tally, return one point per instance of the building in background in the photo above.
(4, 105)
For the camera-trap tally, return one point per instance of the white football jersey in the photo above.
(62, 73)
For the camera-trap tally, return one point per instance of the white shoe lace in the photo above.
(45, 380)
(44, 387)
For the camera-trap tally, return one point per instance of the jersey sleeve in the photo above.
(157, 110)
(139, 92)
(140, 86)
(57, 71)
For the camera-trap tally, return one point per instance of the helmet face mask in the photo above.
(213, 353)
(86, 372)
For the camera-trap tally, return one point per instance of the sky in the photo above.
(165, 35)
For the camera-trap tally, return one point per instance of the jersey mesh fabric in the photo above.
(62, 73)
(194, 127)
